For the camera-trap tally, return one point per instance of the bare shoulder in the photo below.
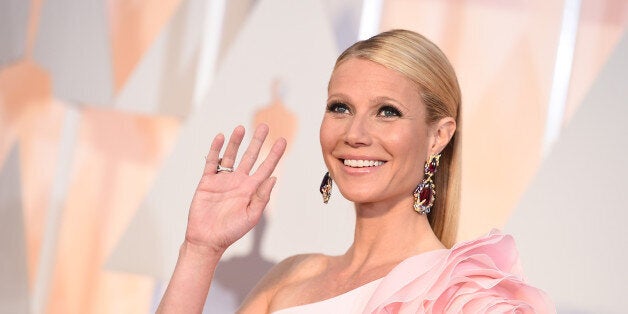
(292, 269)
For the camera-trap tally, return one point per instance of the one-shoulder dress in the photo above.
(479, 276)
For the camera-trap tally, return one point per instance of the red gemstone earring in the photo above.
(325, 188)
(425, 192)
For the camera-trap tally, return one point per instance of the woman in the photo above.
(390, 143)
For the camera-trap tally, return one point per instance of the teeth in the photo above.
(362, 163)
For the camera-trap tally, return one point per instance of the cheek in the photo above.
(410, 143)
(326, 136)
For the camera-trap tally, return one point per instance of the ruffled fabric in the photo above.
(480, 276)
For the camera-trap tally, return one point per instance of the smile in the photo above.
(358, 163)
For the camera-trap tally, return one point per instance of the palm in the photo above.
(227, 205)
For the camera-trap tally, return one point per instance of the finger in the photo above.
(211, 160)
(261, 198)
(268, 166)
(250, 156)
(231, 152)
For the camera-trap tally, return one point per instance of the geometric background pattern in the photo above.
(570, 221)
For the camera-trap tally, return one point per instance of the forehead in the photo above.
(364, 78)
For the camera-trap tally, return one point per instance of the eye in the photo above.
(337, 107)
(388, 111)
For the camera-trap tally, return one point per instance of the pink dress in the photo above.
(349, 302)
(480, 276)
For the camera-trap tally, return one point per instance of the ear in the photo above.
(441, 133)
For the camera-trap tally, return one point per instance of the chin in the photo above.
(359, 196)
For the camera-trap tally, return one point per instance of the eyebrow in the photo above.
(338, 95)
(385, 99)
(376, 101)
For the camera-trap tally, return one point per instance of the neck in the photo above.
(388, 233)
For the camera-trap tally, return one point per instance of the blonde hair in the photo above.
(424, 63)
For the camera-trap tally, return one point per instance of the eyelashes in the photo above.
(337, 107)
(389, 111)
(386, 110)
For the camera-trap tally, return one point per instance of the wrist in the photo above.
(200, 251)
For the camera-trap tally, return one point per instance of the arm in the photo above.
(224, 208)
(190, 282)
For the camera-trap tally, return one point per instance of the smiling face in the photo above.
(374, 135)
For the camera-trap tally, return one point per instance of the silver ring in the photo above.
(220, 168)
(223, 169)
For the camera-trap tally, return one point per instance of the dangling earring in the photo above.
(326, 187)
(425, 192)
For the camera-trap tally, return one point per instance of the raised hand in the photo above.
(226, 205)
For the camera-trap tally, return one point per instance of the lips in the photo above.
(362, 163)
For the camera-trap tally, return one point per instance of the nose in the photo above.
(357, 133)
